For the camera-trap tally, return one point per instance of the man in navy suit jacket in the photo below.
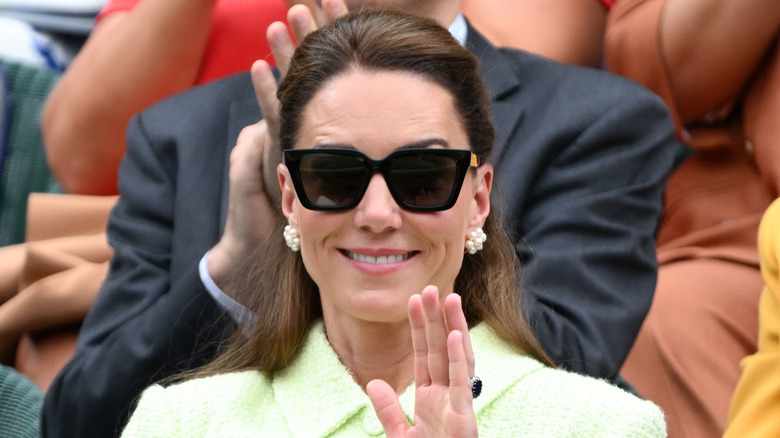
(580, 161)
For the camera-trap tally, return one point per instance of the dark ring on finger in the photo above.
(476, 386)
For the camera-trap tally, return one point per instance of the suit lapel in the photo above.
(502, 84)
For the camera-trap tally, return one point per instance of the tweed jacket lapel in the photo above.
(317, 394)
(503, 86)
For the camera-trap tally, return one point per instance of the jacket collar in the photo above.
(316, 393)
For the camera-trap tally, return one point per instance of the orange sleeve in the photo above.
(632, 47)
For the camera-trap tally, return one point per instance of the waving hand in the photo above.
(443, 365)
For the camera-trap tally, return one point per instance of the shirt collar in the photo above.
(459, 29)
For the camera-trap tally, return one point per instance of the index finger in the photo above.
(264, 84)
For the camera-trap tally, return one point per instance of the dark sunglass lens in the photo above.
(424, 180)
(331, 180)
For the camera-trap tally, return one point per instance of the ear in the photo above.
(288, 193)
(481, 204)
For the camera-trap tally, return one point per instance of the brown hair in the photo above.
(274, 283)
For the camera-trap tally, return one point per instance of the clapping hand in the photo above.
(443, 365)
(254, 189)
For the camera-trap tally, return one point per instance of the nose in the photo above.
(378, 211)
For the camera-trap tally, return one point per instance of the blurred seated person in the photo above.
(755, 407)
(384, 124)
(716, 64)
(575, 150)
(139, 52)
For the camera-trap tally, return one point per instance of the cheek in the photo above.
(308, 230)
(452, 231)
(448, 262)
(316, 230)
(311, 229)
(447, 238)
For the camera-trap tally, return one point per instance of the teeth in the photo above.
(377, 260)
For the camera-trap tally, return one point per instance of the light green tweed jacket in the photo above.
(316, 397)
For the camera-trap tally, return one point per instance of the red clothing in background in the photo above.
(237, 37)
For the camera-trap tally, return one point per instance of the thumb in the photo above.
(388, 409)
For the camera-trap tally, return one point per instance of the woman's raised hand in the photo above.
(443, 366)
(301, 22)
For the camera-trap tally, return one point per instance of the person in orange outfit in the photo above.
(570, 31)
(716, 64)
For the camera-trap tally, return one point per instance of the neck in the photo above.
(374, 350)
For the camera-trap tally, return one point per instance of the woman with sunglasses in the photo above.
(387, 301)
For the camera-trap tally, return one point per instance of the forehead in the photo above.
(380, 110)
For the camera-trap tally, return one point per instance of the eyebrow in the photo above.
(419, 144)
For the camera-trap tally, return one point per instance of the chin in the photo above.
(382, 309)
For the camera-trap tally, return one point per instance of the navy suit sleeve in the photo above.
(151, 318)
(589, 222)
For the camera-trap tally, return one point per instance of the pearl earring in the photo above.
(293, 238)
(475, 240)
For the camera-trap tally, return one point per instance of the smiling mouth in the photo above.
(379, 260)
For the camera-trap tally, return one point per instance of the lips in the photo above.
(378, 260)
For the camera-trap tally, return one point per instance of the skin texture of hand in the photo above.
(254, 189)
(443, 364)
